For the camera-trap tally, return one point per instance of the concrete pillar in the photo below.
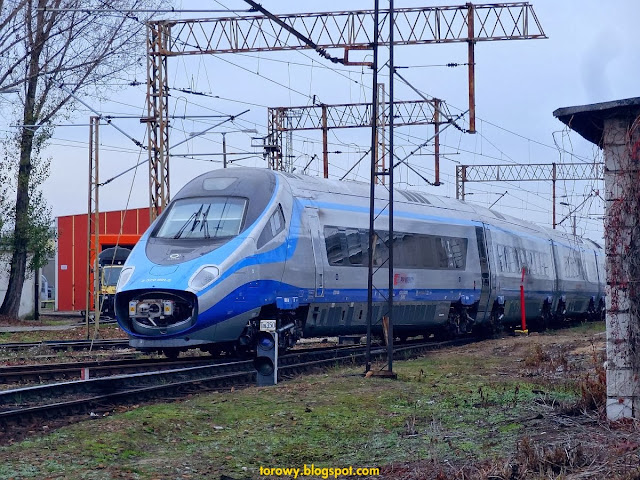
(615, 127)
(621, 145)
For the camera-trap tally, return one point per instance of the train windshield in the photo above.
(110, 275)
(212, 217)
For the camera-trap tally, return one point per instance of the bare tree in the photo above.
(44, 44)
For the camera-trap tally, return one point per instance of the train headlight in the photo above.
(203, 278)
(125, 275)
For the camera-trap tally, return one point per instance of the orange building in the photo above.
(122, 227)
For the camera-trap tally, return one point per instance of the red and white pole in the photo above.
(523, 314)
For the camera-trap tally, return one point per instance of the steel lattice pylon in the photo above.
(158, 118)
(347, 30)
(92, 295)
(354, 30)
(345, 115)
(527, 173)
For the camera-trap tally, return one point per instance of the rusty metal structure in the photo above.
(158, 116)
(533, 172)
(93, 227)
(347, 115)
(347, 30)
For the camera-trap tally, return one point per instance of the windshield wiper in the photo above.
(222, 215)
(194, 218)
(205, 223)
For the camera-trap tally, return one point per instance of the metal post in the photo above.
(381, 147)
(224, 149)
(96, 237)
(391, 169)
(472, 68)
(36, 295)
(158, 114)
(88, 284)
(325, 146)
(553, 193)
(436, 140)
(93, 227)
(461, 178)
(372, 185)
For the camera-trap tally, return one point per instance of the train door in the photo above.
(483, 237)
(318, 249)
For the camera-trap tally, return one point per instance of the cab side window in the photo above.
(273, 227)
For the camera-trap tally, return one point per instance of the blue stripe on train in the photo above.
(264, 292)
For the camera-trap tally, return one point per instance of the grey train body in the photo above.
(300, 255)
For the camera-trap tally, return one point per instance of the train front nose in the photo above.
(156, 312)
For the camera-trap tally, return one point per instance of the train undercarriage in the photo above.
(461, 321)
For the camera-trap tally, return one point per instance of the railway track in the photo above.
(21, 374)
(22, 407)
(38, 373)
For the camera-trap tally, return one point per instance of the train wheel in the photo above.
(547, 317)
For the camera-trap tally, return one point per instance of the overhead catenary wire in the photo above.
(298, 137)
(227, 9)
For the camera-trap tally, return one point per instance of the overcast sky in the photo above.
(589, 57)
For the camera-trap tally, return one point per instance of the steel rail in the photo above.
(29, 404)
(97, 368)
(102, 368)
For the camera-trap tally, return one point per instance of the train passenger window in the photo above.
(334, 240)
(531, 263)
(364, 241)
(273, 227)
(502, 258)
(380, 248)
(512, 259)
(404, 250)
(423, 251)
(573, 265)
(590, 264)
(442, 260)
(355, 248)
(456, 249)
(349, 246)
(522, 260)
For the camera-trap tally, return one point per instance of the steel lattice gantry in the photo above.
(527, 173)
(347, 30)
(354, 29)
(346, 115)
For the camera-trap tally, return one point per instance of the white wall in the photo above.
(27, 300)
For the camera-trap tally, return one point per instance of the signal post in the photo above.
(266, 359)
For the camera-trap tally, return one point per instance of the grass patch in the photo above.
(75, 333)
(445, 406)
(496, 409)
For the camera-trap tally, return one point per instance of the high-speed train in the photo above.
(239, 245)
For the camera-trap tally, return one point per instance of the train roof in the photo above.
(304, 185)
(261, 183)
